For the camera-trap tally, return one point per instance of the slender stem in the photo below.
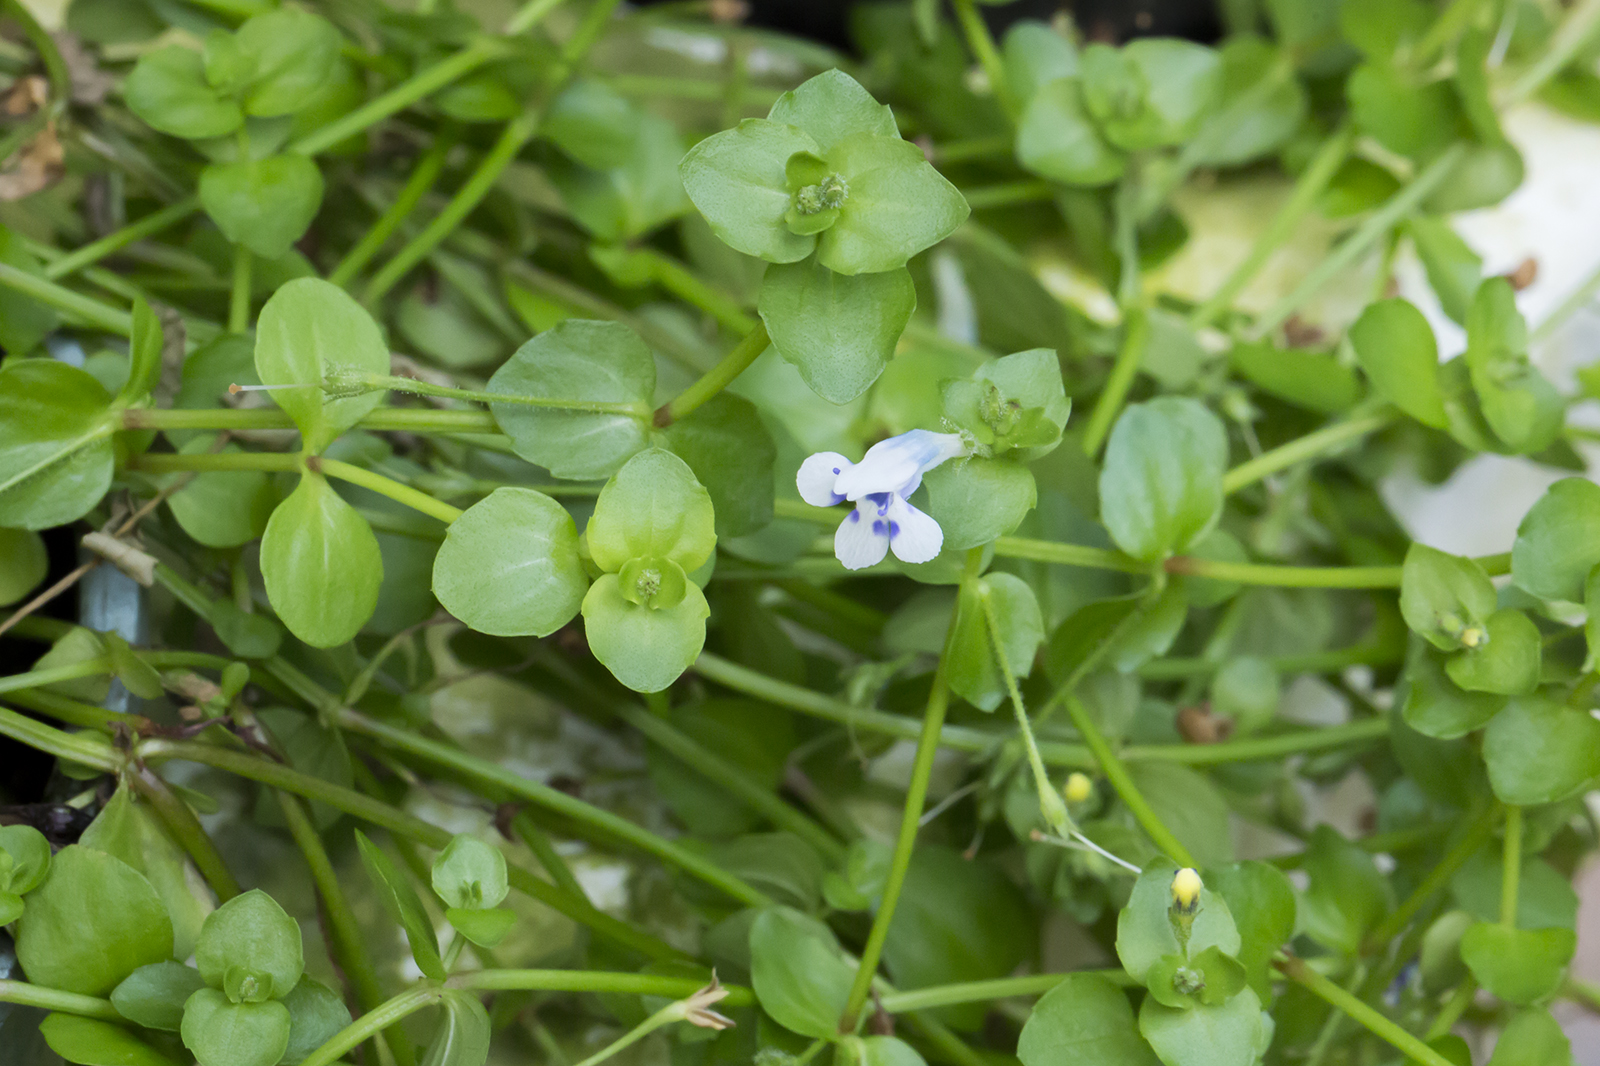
(683, 283)
(1320, 662)
(1511, 867)
(672, 1012)
(239, 300)
(416, 187)
(642, 984)
(983, 49)
(54, 66)
(148, 226)
(1369, 233)
(428, 388)
(1297, 577)
(386, 486)
(403, 419)
(421, 84)
(529, 15)
(985, 991)
(26, 995)
(539, 843)
(1307, 187)
(1307, 447)
(1120, 780)
(716, 379)
(166, 463)
(1577, 990)
(1451, 21)
(374, 1022)
(1046, 551)
(1471, 841)
(1453, 1009)
(1575, 32)
(1576, 301)
(186, 829)
(1005, 194)
(73, 712)
(91, 312)
(910, 819)
(1375, 1022)
(1050, 803)
(1135, 334)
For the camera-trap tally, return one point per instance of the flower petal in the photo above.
(817, 477)
(891, 465)
(862, 539)
(914, 536)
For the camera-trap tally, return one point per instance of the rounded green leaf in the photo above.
(1558, 541)
(579, 359)
(1518, 965)
(973, 672)
(1507, 659)
(462, 1038)
(1263, 907)
(1246, 689)
(55, 443)
(798, 976)
(1520, 405)
(92, 922)
(222, 508)
(316, 1014)
(737, 181)
(831, 107)
(1532, 1038)
(1145, 932)
(732, 454)
(1161, 485)
(1084, 1020)
(168, 89)
(1541, 751)
(1395, 346)
(1454, 269)
(1226, 1034)
(1445, 598)
(652, 508)
(153, 996)
(1262, 104)
(130, 830)
(92, 1042)
(646, 648)
(1153, 91)
(839, 331)
(634, 198)
(321, 564)
(509, 565)
(1415, 119)
(897, 205)
(253, 933)
(592, 123)
(221, 1033)
(1436, 706)
(264, 204)
(1056, 139)
(470, 874)
(27, 858)
(975, 500)
(1347, 895)
(484, 928)
(292, 54)
(1015, 403)
(311, 331)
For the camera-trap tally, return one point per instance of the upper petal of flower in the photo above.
(817, 477)
(914, 536)
(896, 465)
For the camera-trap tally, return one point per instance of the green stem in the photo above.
(529, 15)
(403, 419)
(386, 486)
(239, 299)
(1320, 662)
(26, 995)
(984, 197)
(416, 187)
(91, 312)
(1375, 1022)
(427, 388)
(374, 1022)
(1308, 186)
(70, 711)
(1471, 841)
(910, 817)
(1135, 334)
(983, 49)
(1511, 867)
(1451, 21)
(421, 84)
(1120, 780)
(539, 843)
(683, 283)
(1575, 32)
(1050, 803)
(186, 829)
(672, 1012)
(642, 984)
(1307, 447)
(1366, 235)
(986, 991)
(54, 66)
(584, 814)
(1453, 1009)
(1048, 551)
(167, 463)
(1576, 301)
(716, 379)
(148, 226)
(1576, 989)
(1296, 577)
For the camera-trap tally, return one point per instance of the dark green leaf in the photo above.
(400, 902)
(1085, 1020)
(55, 443)
(839, 331)
(1541, 751)
(264, 204)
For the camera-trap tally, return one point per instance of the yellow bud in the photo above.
(1078, 788)
(1186, 887)
(1473, 636)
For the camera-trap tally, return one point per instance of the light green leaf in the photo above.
(55, 443)
(462, 1038)
(509, 566)
(251, 932)
(486, 928)
(321, 564)
(798, 976)
(831, 107)
(1507, 660)
(646, 648)
(316, 1014)
(27, 858)
(1192, 807)
(1145, 933)
(400, 902)
(1262, 104)
(652, 508)
(23, 563)
(972, 669)
(737, 180)
(1519, 965)
(132, 832)
(897, 206)
(92, 1042)
(633, 198)
(470, 874)
(1558, 541)
(1152, 91)
(292, 55)
(1262, 904)
(1161, 485)
(975, 500)
(1246, 689)
(153, 996)
(264, 204)
(1532, 1038)
(144, 354)
(1085, 1020)
(592, 123)
(1436, 706)
(1015, 403)
(731, 453)
(221, 1033)
(1406, 115)
(1454, 269)
(1226, 1034)
(1541, 751)
(168, 89)
(222, 508)
(1395, 346)
(1521, 406)
(1056, 139)
(1445, 598)
(1347, 895)
(1036, 55)
(838, 331)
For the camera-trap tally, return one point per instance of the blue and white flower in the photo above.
(879, 486)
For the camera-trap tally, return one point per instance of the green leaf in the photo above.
(1225, 1034)
(27, 858)
(1519, 403)
(316, 1015)
(737, 180)
(1151, 92)
(1454, 269)
(131, 831)
(153, 996)
(56, 456)
(221, 1033)
(92, 1042)
(839, 331)
(831, 107)
(652, 508)
(321, 564)
(1518, 965)
(251, 932)
(1347, 895)
(897, 205)
(797, 973)
(509, 565)
(77, 645)
(1246, 689)
(1446, 599)
(1262, 904)
(1506, 662)
(1191, 806)
(1036, 55)
(91, 923)
(312, 748)
(264, 204)
(400, 902)
(1396, 349)
(144, 354)
(1545, 897)
(974, 674)
(1558, 541)
(292, 54)
(1311, 380)
(462, 1038)
(1145, 932)
(1261, 106)
(646, 648)
(470, 874)
(1380, 27)
(1084, 1020)
(309, 332)
(1017, 402)
(136, 675)
(975, 500)
(1436, 706)
(1056, 139)
(1540, 751)
(634, 198)
(579, 359)
(24, 563)
(223, 508)
(1220, 977)
(732, 454)
(592, 123)
(1532, 1038)
(1415, 119)
(169, 91)
(486, 928)
(1161, 485)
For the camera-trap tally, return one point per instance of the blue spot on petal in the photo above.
(894, 530)
(878, 527)
(855, 516)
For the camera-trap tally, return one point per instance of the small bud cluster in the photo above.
(828, 194)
